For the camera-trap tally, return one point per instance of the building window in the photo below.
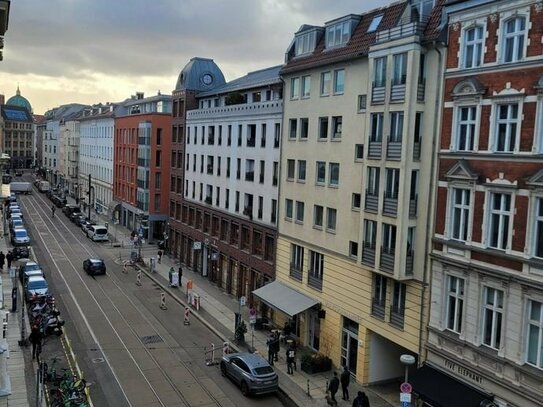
(337, 126)
(331, 219)
(277, 135)
(392, 185)
(399, 75)
(262, 135)
(473, 47)
(338, 34)
(316, 269)
(353, 249)
(318, 215)
(305, 43)
(326, 79)
(534, 348)
(492, 317)
(465, 128)
(380, 72)
(296, 257)
(373, 181)
(358, 152)
(293, 128)
(499, 220)
(379, 296)
(295, 88)
(513, 39)
(323, 128)
(289, 205)
(362, 103)
(321, 173)
(334, 174)
(304, 128)
(300, 212)
(396, 126)
(355, 201)
(291, 169)
(389, 238)
(301, 170)
(376, 134)
(455, 303)
(249, 170)
(375, 23)
(306, 86)
(507, 126)
(538, 236)
(398, 304)
(460, 213)
(339, 81)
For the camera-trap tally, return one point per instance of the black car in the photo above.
(71, 208)
(21, 252)
(59, 201)
(94, 266)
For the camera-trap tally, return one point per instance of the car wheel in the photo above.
(223, 369)
(244, 389)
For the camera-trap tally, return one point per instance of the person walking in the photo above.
(2, 260)
(35, 339)
(9, 258)
(180, 271)
(276, 346)
(291, 356)
(333, 387)
(159, 256)
(271, 349)
(53, 209)
(345, 379)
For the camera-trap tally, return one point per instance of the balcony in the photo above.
(409, 263)
(390, 204)
(371, 203)
(240, 110)
(368, 253)
(397, 92)
(387, 259)
(378, 308)
(402, 31)
(413, 207)
(296, 271)
(314, 282)
(378, 93)
(416, 150)
(375, 150)
(396, 317)
(394, 149)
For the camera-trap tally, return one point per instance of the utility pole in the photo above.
(90, 187)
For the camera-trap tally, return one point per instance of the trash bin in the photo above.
(196, 301)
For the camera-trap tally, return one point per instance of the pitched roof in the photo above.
(255, 79)
(15, 113)
(434, 27)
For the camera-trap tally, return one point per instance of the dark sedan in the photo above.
(94, 266)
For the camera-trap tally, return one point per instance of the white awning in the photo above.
(285, 299)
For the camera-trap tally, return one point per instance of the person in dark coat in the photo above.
(359, 400)
(345, 379)
(333, 387)
(271, 349)
(9, 258)
(35, 339)
(2, 260)
(291, 356)
(159, 256)
(276, 346)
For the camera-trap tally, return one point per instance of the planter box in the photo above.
(322, 365)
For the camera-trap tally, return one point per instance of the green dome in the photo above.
(19, 100)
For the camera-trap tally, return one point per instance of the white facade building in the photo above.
(69, 155)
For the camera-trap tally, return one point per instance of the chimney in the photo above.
(139, 95)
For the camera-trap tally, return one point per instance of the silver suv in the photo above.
(251, 372)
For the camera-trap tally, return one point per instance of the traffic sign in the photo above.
(405, 397)
(242, 300)
(406, 387)
(252, 316)
(404, 404)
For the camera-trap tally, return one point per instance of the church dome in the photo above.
(19, 100)
(200, 74)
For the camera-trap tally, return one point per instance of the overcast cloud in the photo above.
(91, 51)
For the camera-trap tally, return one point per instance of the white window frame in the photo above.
(317, 180)
(305, 43)
(455, 296)
(538, 324)
(380, 72)
(474, 47)
(300, 211)
(337, 83)
(297, 257)
(317, 225)
(306, 86)
(331, 219)
(509, 121)
(331, 171)
(338, 34)
(396, 126)
(518, 38)
(502, 213)
(496, 312)
(538, 136)
(294, 88)
(537, 216)
(463, 210)
(326, 84)
(472, 125)
(289, 203)
(316, 265)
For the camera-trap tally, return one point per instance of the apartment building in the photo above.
(141, 171)
(360, 116)
(486, 325)
(225, 220)
(17, 140)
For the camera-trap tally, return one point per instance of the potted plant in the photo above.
(315, 362)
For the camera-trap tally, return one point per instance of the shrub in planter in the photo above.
(315, 363)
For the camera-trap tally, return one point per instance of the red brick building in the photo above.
(142, 158)
(486, 319)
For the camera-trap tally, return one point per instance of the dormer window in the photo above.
(305, 43)
(338, 33)
(375, 23)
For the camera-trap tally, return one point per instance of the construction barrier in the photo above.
(138, 278)
(163, 300)
(186, 320)
(210, 362)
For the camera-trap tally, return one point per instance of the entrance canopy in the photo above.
(440, 390)
(285, 299)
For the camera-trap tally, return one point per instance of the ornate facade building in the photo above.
(486, 325)
(18, 138)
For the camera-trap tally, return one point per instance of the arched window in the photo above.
(514, 31)
(473, 47)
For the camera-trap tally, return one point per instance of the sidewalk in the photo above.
(217, 312)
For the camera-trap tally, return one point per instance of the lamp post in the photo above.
(405, 387)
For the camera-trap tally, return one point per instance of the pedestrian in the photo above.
(276, 346)
(361, 400)
(291, 357)
(159, 256)
(333, 387)
(9, 258)
(271, 349)
(345, 379)
(180, 270)
(35, 339)
(2, 260)
(53, 209)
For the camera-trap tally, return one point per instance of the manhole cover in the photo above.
(98, 360)
(151, 339)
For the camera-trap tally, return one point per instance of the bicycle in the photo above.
(51, 375)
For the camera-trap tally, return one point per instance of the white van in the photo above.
(98, 233)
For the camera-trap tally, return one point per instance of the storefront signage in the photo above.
(462, 371)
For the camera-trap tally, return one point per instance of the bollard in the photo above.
(163, 300)
(186, 319)
(4, 329)
(138, 278)
(308, 392)
(125, 269)
(225, 348)
(14, 299)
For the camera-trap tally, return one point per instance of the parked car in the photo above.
(18, 173)
(59, 201)
(20, 237)
(71, 208)
(251, 372)
(16, 224)
(86, 225)
(76, 215)
(97, 233)
(12, 197)
(20, 252)
(94, 266)
(29, 268)
(35, 286)
(13, 206)
(15, 211)
(14, 218)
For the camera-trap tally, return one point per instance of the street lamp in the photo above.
(405, 388)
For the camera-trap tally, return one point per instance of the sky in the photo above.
(92, 51)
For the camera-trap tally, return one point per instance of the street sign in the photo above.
(242, 300)
(197, 245)
(405, 404)
(252, 316)
(406, 388)
(405, 397)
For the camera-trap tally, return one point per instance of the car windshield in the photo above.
(20, 233)
(262, 370)
(96, 264)
(37, 284)
(32, 267)
(17, 222)
(101, 231)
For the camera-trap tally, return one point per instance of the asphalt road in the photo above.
(130, 351)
